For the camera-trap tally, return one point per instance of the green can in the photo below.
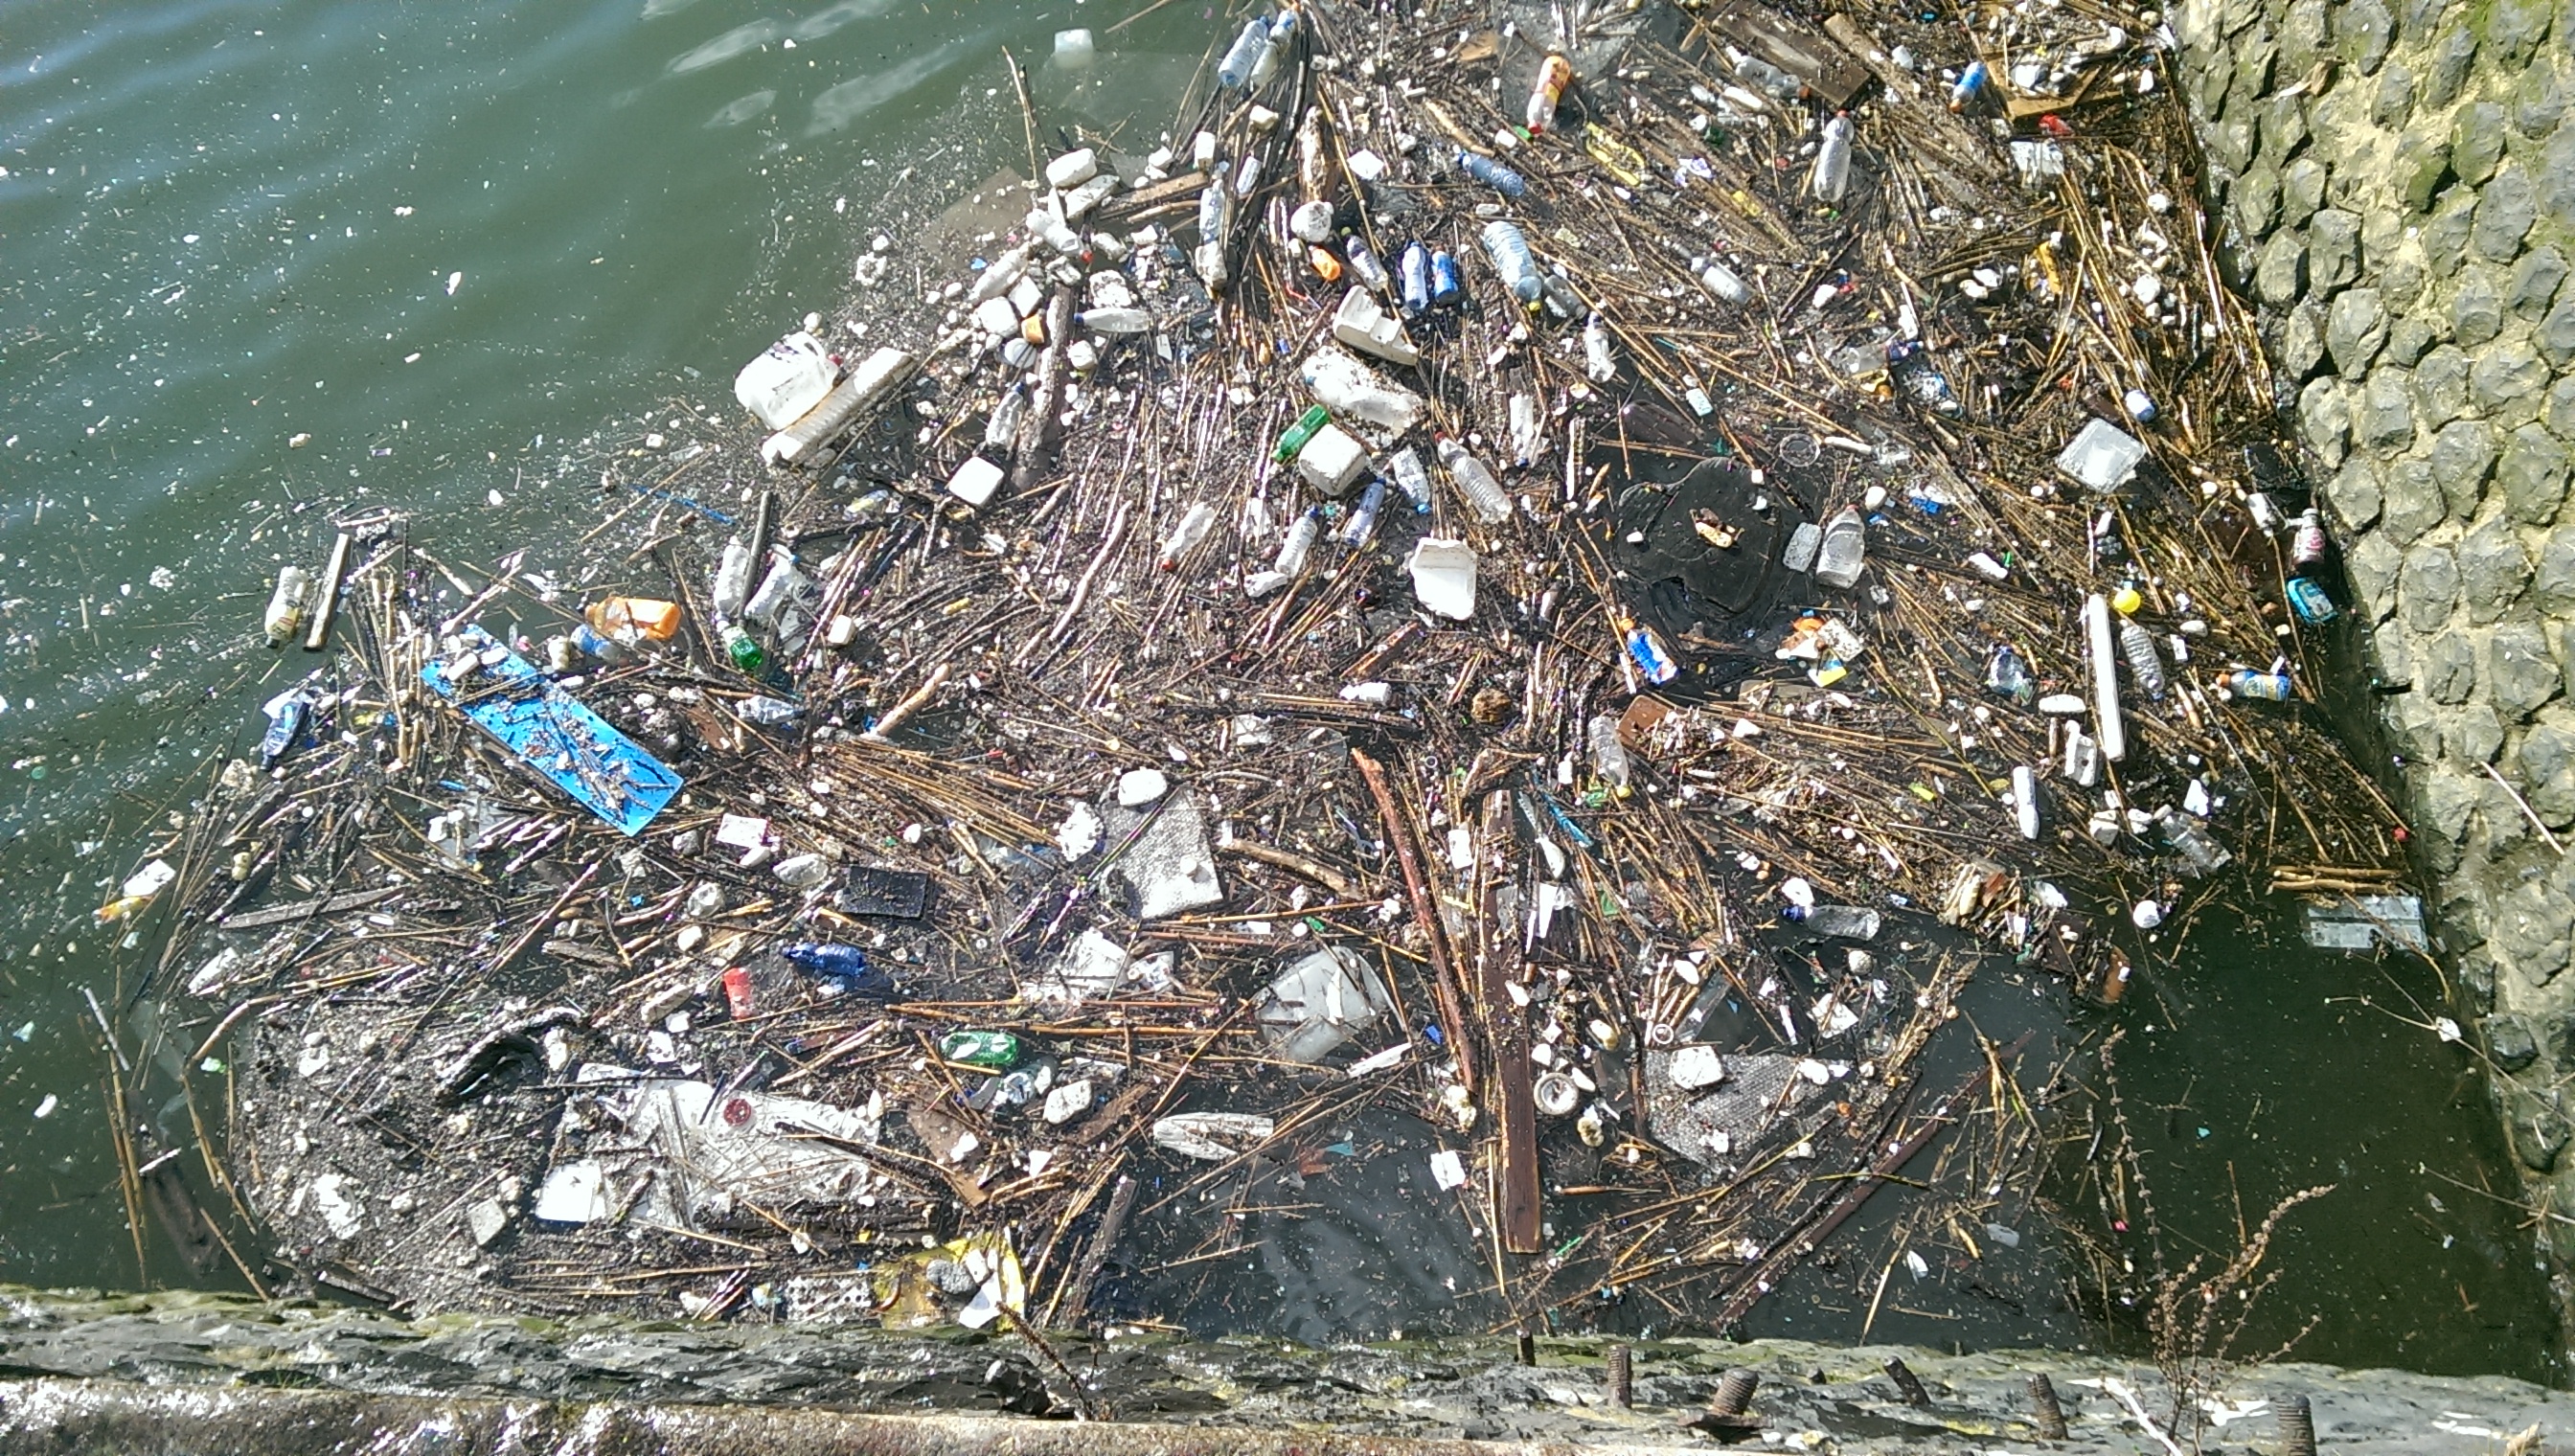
(997, 1050)
(1298, 433)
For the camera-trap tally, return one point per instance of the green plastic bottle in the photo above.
(1306, 426)
(743, 649)
(997, 1050)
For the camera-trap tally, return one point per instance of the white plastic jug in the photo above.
(791, 377)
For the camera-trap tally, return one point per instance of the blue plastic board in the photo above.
(571, 745)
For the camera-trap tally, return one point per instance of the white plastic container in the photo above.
(789, 378)
(1333, 462)
(1075, 50)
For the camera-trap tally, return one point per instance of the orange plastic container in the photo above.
(634, 618)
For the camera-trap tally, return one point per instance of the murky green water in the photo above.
(458, 249)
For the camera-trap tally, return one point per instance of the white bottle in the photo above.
(287, 605)
(1597, 362)
(1194, 528)
(1484, 495)
(1845, 545)
(1725, 283)
(733, 580)
(1300, 544)
(1832, 160)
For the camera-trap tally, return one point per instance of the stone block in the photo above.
(2385, 412)
(2473, 734)
(2284, 127)
(2440, 386)
(2421, 164)
(2448, 799)
(2555, 337)
(2253, 57)
(2530, 931)
(2324, 419)
(2392, 98)
(2476, 309)
(2534, 281)
(2541, 97)
(2546, 759)
(2445, 233)
(2506, 380)
(2297, 342)
(2412, 500)
(2254, 199)
(2556, 174)
(2463, 454)
(2305, 36)
(2408, 336)
(2391, 668)
(2428, 586)
(2506, 207)
(2302, 190)
(2281, 269)
(2373, 564)
(2494, 570)
(2448, 668)
(2513, 31)
(2333, 249)
(2539, 1130)
(2447, 64)
(2532, 474)
(2352, 493)
(2230, 143)
(2208, 84)
(2413, 728)
(2476, 141)
(2553, 577)
(2362, 30)
(2511, 1041)
(2354, 328)
(2559, 413)
(2521, 676)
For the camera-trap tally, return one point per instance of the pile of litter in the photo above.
(1559, 594)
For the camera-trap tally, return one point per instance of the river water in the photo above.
(272, 262)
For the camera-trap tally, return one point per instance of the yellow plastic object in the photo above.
(1616, 156)
(121, 908)
(633, 618)
(2127, 600)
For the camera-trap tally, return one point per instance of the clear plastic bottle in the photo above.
(1216, 210)
(1851, 923)
(999, 431)
(1363, 517)
(1299, 541)
(1249, 50)
(1364, 262)
(1725, 283)
(1833, 159)
(1492, 174)
(1510, 250)
(1843, 549)
(1597, 361)
(2139, 645)
(287, 605)
(1282, 31)
(1413, 478)
(1484, 495)
(1608, 756)
(733, 579)
(1415, 268)
(1117, 321)
(1194, 524)
(783, 586)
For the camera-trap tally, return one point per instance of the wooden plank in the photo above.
(331, 904)
(326, 604)
(1518, 1210)
(1793, 47)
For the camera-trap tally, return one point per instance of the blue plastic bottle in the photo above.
(1492, 173)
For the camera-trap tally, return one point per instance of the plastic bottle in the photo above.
(1363, 264)
(1117, 321)
(1970, 82)
(783, 586)
(1282, 31)
(765, 710)
(1299, 541)
(733, 579)
(596, 645)
(1194, 524)
(1832, 160)
(287, 714)
(1608, 756)
(1843, 548)
(1413, 478)
(2269, 686)
(1597, 361)
(824, 957)
(1363, 517)
(2139, 645)
(1725, 283)
(1216, 210)
(1446, 288)
(2309, 601)
(999, 434)
(1293, 439)
(2008, 676)
(1484, 495)
(1554, 75)
(1246, 174)
(2307, 542)
(632, 620)
(745, 651)
(1492, 174)
(1415, 271)
(1654, 660)
(1562, 299)
(287, 605)
(1764, 75)
(991, 1050)
(1509, 251)
(1849, 922)
(1249, 50)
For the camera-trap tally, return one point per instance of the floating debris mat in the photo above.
(1499, 634)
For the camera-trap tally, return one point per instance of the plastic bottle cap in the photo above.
(2127, 600)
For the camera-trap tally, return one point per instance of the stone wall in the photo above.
(2394, 181)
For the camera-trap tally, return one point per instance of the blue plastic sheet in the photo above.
(567, 743)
